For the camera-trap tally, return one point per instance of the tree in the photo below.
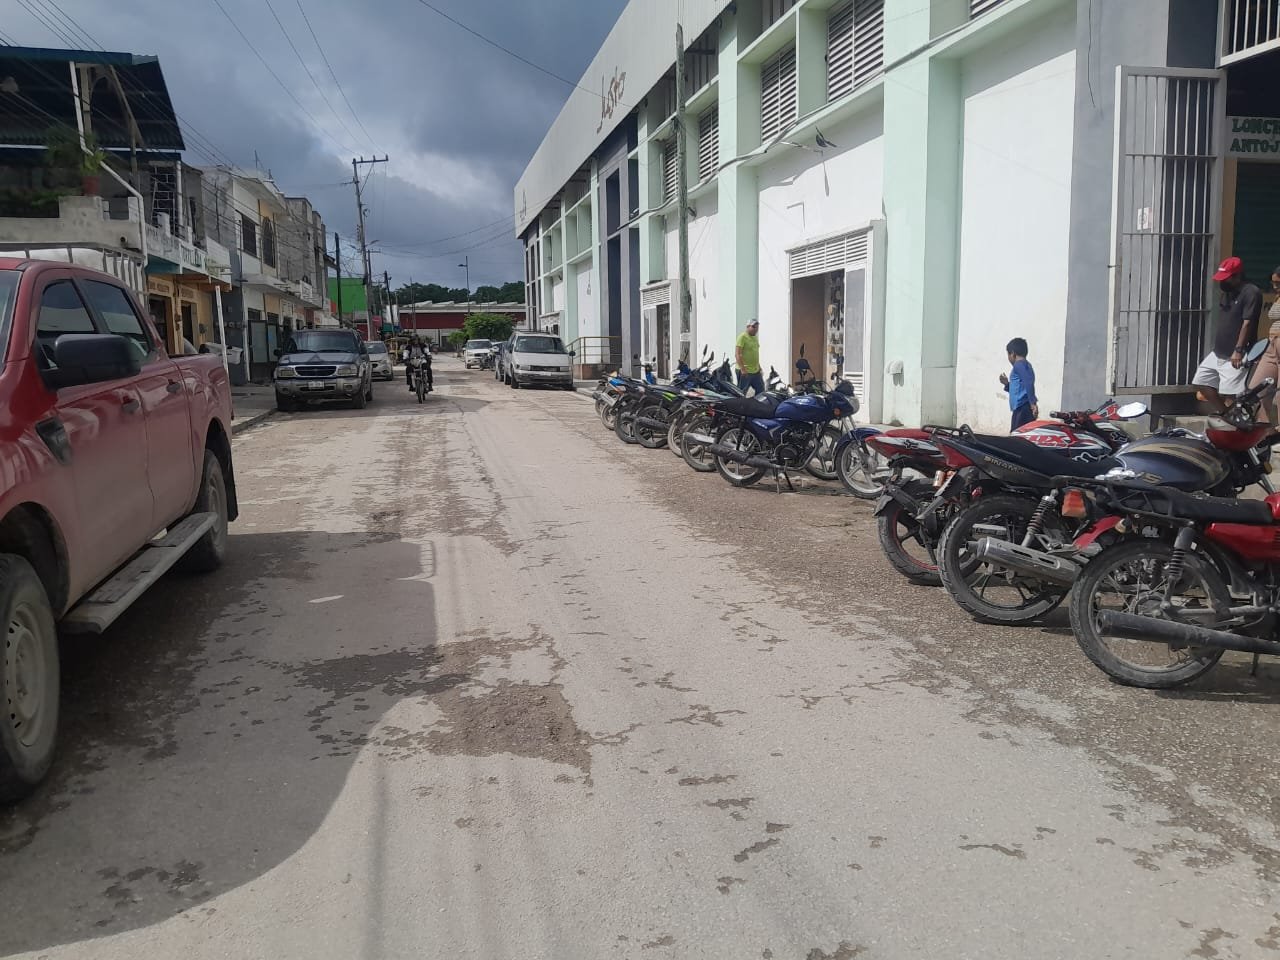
(511, 292)
(457, 339)
(488, 294)
(488, 326)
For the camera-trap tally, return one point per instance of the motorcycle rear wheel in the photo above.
(986, 593)
(857, 468)
(695, 454)
(1141, 564)
(906, 544)
(609, 416)
(625, 422)
(679, 421)
(739, 474)
(650, 439)
(823, 462)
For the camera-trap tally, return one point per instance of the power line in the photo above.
(511, 53)
(51, 25)
(72, 24)
(263, 60)
(336, 81)
(314, 82)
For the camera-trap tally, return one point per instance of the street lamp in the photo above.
(466, 265)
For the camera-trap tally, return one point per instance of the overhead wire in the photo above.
(72, 24)
(332, 73)
(315, 83)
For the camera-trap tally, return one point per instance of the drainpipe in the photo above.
(142, 207)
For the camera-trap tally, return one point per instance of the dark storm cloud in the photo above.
(459, 118)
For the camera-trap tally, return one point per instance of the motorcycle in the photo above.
(1006, 559)
(921, 493)
(755, 436)
(418, 369)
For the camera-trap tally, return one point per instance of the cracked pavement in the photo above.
(477, 681)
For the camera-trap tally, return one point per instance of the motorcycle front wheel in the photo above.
(857, 468)
(987, 593)
(649, 438)
(823, 462)
(609, 416)
(1133, 577)
(739, 474)
(625, 422)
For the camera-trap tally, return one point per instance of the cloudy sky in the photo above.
(458, 117)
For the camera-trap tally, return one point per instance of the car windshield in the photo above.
(377, 346)
(478, 344)
(8, 293)
(321, 341)
(539, 345)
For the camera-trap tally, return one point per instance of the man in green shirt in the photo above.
(747, 355)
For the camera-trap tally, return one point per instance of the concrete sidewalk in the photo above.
(251, 404)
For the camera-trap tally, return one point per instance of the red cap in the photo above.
(1230, 267)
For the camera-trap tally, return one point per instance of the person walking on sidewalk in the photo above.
(1269, 366)
(1020, 384)
(1221, 375)
(747, 355)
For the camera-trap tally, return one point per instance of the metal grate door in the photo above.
(1167, 201)
(1249, 27)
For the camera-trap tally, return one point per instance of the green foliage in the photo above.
(457, 339)
(488, 326)
(64, 157)
(434, 293)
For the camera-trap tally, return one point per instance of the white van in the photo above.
(539, 358)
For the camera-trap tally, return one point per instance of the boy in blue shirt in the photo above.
(1020, 384)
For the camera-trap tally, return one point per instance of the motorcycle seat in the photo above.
(759, 406)
(1049, 463)
(1216, 509)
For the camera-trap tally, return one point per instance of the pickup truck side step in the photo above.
(113, 597)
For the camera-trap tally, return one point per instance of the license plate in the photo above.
(610, 401)
(315, 385)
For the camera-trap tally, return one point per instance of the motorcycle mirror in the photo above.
(1256, 351)
(1131, 411)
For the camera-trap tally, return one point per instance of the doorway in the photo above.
(664, 341)
(189, 323)
(808, 315)
(159, 309)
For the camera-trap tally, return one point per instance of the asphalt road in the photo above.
(479, 682)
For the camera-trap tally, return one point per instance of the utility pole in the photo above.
(682, 188)
(386, 297)
(360, 237)
(466, 265)
(337, 258)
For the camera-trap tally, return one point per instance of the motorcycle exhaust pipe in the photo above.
(1033, 563)
(651, 423)
(1133, 627)
(734, 455)
(699, 438)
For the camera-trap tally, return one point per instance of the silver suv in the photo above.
(323, 365)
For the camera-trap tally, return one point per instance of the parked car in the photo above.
(107, 442)
(501, 359)
(475, 351)
(380, 360)
(539, 358)
(323, 365)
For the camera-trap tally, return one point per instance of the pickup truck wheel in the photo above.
(359, 401)
(368, 395)
(28, 679)
(283, 403)
(209, 551)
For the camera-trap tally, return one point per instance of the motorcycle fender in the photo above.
(858, 436)
(1096, 530)
(897, 495)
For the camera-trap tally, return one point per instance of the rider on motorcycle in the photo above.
(419, 350)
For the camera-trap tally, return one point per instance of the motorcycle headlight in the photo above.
(284, 373)
(346, 370)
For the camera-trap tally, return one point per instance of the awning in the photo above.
(36, 95)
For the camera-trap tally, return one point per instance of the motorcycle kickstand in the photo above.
(778, 477)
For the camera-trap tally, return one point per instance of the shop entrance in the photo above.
(829, 296)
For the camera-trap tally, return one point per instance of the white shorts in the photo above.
(1221, 375)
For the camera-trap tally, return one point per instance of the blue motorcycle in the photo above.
(773, 433)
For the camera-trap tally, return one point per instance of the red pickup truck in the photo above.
(115, 465)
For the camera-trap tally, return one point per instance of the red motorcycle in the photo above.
(924, 489)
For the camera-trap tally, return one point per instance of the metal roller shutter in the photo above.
(868, 40)
(778, 103)
(1256, 237)
(840, 52)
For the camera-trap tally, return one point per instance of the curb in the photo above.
(239, 426)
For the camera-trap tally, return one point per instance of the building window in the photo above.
(855, 46)
(978, 7)
(268, 242)
(778, 103)
(775, 10)
(670, 169)
(248, 236)
(708, 144)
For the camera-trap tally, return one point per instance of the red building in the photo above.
(437, 320)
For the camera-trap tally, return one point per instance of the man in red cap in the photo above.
(1221, 375)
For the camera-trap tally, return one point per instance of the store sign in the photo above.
(162, 288)
(611, 96)
(1254, 138)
